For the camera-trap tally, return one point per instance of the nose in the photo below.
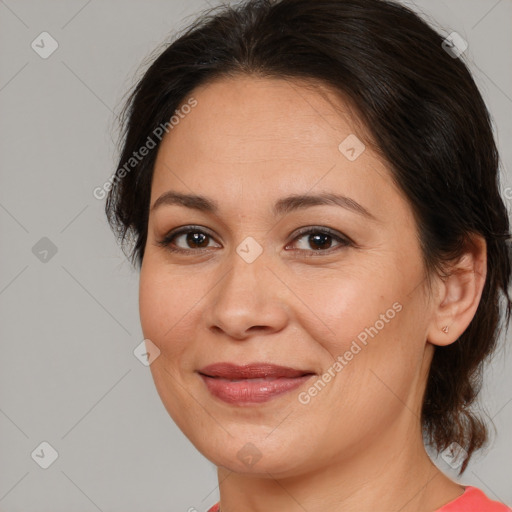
(248, 300)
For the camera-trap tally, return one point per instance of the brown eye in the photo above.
(320, 240)
(186, 240)
(195, 238)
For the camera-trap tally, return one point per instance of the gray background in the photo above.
(69, 324)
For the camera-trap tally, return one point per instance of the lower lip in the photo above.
(251, 391)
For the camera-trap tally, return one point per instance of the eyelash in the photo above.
(342, 240)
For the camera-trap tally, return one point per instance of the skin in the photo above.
(356, 445)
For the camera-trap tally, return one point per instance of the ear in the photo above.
(458, 294)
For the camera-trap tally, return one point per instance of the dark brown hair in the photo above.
(425, 116)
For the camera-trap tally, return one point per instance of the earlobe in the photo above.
(459, 294)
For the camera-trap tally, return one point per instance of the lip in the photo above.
(252, 383)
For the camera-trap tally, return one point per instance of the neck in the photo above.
(389, 474)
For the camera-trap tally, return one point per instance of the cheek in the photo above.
(347, 306)
(166, 307)
(153, 304)
(382, 368)
(370, 330)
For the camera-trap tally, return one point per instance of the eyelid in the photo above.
(321, 229)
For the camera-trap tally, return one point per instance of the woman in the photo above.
(311, 189)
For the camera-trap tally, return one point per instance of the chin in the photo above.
(269, 465)
(256, 455)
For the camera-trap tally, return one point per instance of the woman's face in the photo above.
(347, 309)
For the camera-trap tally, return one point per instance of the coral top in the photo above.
(471, 500)
(474, 500)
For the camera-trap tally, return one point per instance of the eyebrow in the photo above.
(281, 207)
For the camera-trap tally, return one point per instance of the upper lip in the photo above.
(251, 371)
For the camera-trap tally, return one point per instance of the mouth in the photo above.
(253, 383)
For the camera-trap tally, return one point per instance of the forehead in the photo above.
(260, 137)
(249, 117)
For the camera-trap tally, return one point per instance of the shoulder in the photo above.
(474, 500)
